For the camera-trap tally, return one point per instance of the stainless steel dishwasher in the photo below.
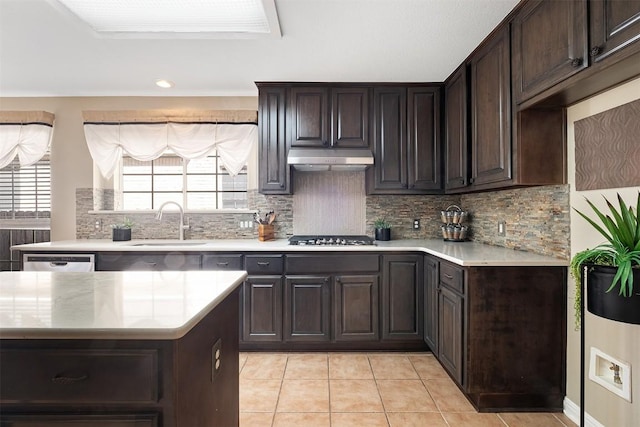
(58, 262)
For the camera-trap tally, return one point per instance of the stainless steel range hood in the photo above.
(324, 159)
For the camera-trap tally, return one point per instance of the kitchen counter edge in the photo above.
(466, 254)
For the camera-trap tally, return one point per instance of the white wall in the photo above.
(619, 340)
(71, 163)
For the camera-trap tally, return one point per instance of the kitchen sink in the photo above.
(170, 244)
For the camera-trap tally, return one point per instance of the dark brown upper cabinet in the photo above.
(566, 51)
(274, 175)
(328, 117)
(491, 111)
(549, 44)
(406, 140)
(614, 25)
(456, 143)
(509, 147)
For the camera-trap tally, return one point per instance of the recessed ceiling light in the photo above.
(177, 17)
(165, 84)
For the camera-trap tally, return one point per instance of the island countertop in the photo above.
(109, 305)
(467, 254)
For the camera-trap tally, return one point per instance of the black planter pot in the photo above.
(383, 234)
(121, 234)
(610, 305)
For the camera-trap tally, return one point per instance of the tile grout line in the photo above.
(423, 381)
(375, 381)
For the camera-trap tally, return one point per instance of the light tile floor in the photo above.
(362, 389)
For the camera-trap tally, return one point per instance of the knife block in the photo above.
(265, 232)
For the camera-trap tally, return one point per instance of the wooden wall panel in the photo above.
(608, 149)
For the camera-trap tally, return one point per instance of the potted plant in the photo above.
(122, 231)
(382, 229)
(612, 268)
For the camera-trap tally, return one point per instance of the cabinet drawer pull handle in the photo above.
(62, 379)
(576, 62)
(448, 276)
(151, 263)
(263, 263)
(223, 264)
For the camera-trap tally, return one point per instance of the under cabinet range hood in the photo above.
(325, 159)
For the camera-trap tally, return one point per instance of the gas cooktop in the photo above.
(331, 240)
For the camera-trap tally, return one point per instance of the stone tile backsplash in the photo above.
(537, 218)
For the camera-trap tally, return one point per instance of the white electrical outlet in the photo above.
(502, 231)
(610, 373)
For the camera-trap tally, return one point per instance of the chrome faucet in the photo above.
(182, 225)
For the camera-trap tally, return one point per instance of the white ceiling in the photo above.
(47, 52)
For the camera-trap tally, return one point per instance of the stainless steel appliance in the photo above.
(58, 262)
(331, 240)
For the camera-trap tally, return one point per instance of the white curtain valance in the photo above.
(107, 142)
(26, 134)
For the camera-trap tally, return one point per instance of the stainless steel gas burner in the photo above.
(331, 240)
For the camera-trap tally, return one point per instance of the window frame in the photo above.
(42, 210)
(185, 191)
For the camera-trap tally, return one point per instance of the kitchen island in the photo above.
(111, 349)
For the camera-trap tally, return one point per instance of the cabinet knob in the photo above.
(472, 180)
(576, 62)
(462, 182)
(595, 51)
(281, 185)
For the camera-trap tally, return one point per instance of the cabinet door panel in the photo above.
(450, 306)
(389, 138)
(423, 111)
(309, 110)
(350, 117)
(402, 296)
(273, 171)
(262, 309)
(549, 45)
(356, 308)
(491, 111)
(614, 26)
(431, 303)
(456, 142)
(307, 308)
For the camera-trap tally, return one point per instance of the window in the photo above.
(201, 184)
(25, 192)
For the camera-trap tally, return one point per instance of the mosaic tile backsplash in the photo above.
(537, 218)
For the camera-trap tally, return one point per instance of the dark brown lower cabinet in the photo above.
(307, 308)
(262, 308)
(502, 335)
(402, 286)
(451, 309)
(355, 308)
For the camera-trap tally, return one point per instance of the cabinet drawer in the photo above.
(452, 276)
(153, 262)
(79, 376)
(222, 262)
(80, 420)
(331, 264)
(263, 264)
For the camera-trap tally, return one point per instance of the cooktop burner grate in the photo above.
(332, 240)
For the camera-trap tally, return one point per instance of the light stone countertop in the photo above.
(466, 254)
(109, 305)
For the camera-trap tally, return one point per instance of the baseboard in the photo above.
(572, 411)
